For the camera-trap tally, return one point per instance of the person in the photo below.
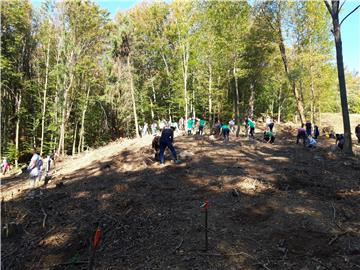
(232, 125)
(316, 132)
(162, 124)
(269, 123)
(181, 123)
(175, 126)
(48, 161)
(301, 135)
(33, 168)
(340, 140)
(190, 124)
(202, 124)
(156, 146)
(144, 130)
(312, 142)
(40, 167)
(153, 128)
(251, 127)
(166, 141)
(357, 132)
(216, 128)
(308, 128)
(269, 137)
(225, 131)
(5, 166)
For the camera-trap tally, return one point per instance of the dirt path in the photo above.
(270, 207)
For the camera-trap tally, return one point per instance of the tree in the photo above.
(334, 10)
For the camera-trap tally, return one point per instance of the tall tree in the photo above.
(334, 10)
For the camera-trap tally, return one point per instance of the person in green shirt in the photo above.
(202, 124)
(190, 124)
(269, 137)
(251, 127)
(225, 130)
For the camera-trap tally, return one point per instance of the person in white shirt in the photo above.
(33, 168)
(312, 142)
(269, 123)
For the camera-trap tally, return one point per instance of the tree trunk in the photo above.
(342, 85)
(74, 141)
(298, 100)
(82, 126)
(210, 94)
(17, 130)
(133, 97)
(251, 100)
(44, 98)
(312, 97)
(279, 105)
(237, 120)
(185, 77)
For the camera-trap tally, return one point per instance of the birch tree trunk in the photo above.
(133, 97)
(17, 130)
(74, 140)
(236, 102)
(82, 126)
(44, 98)
(210, 94)
(185, 63)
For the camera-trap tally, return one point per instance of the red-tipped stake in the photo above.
(205, 205)
(95, 243)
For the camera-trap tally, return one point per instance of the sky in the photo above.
(350, 29)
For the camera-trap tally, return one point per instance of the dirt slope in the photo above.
(270, 207)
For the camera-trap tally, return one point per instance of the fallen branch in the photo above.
(45, 217)
(227, 254)
(336, 237)
(70, 263)
(179, 246)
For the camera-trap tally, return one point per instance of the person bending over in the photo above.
(166, 141)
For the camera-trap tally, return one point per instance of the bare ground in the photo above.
(275, 206)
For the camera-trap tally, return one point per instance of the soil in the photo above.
(279, 206)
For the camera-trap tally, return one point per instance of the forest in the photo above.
(74, 78)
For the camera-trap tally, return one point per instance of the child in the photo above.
(269, 137)
(202, 124)
(269, 123)
(156, 146)
(232, 125)
(251, 127)
(312, 142)
(308, 128)
(316, 131)
(357, 132)
(225, 130)
(5, 166)
(190, 124)
(301, 134)
(47, 165)
(340, 140)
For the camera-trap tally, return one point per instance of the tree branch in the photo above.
(342, 5)
(349, 14)
(328, 7)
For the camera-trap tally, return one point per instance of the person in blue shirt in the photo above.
(166, 141)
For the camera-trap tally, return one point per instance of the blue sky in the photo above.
(350, 29)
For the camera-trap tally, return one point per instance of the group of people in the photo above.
(36, 166)
(308, 135)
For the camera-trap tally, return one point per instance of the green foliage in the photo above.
(225, 53)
